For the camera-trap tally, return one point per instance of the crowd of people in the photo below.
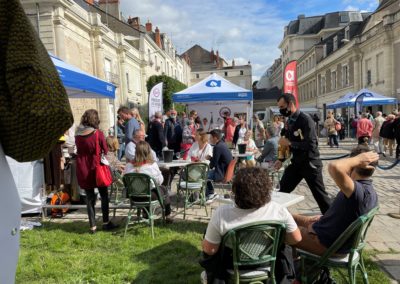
(381, 131)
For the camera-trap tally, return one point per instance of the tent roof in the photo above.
(370, 98)
(80, 84)
(213, 88)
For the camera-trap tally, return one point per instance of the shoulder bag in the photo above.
(103, 173)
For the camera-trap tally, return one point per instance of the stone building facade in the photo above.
(93, 36)
(204, 62)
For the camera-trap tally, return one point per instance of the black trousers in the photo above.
(295, 172)
(398, 147)
(91, 202)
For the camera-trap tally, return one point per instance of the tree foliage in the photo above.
(170, 86)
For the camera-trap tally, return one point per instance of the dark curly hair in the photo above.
(91, 118)
(252, 187)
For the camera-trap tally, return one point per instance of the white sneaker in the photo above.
(203, 277)
(211, 198)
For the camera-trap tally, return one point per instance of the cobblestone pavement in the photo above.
(384, 233)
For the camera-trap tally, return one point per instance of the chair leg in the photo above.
(364, 273)
(128, 219)
(352, 274)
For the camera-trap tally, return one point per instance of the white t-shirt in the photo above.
(228, 217)
(130, 152)
(150, 169)
(242, 132)
(201, 154)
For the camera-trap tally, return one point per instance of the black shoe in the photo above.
(110, 226)
(92, 232)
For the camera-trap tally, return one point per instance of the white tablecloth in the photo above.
(284, 199)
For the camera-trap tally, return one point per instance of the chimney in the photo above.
(91, 2)
(134, 22)
(212, 55)
(233, 62)
(158, 37)
(217, 59)
(149, 27)
(111, 7)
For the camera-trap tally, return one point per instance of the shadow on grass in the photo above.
(82, 227)
(172, 262)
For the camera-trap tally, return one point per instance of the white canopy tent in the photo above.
(213, 97)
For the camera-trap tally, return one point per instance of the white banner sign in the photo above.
(155, 99)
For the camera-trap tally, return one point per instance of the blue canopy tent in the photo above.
(80, 84)
(214, 96)
(370, 98)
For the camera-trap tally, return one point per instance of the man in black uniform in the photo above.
(301, 137)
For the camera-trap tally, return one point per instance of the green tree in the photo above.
(170, 86)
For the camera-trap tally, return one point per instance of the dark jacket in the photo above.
(387, 130)
(220, 160)
(155, 136)
(173, 134)
(396, 129)
(236, 134)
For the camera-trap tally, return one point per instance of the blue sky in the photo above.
(243, 30)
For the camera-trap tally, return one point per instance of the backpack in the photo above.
(325, 277)
(338, 126)
(59, 198)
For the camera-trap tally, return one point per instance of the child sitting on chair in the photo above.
(145, 164)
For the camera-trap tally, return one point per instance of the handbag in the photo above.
(103, 173)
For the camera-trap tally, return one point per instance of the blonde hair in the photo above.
(136, 114)
(112, 143)
(203, 135)
(143, 153)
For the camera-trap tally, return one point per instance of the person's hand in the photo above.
(284, 142)
(364, 159)
(277, 165)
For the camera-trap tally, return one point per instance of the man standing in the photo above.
(376, 139)
(131, 123)
(364, 129)
(301, 137)
(218, 162)
(155, 134)
(173, 132)
(121, 137)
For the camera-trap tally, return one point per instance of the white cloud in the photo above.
(248, 30)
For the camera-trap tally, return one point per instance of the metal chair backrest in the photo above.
(195, 172)
(230, 172)
(356, 232)
(255, 243)
(139, 185)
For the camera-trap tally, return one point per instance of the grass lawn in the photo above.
(66, 253)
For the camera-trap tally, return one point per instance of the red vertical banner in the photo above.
(290, 80)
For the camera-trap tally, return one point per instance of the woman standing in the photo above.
(329, 124)
(136, 114)
(278, 126)
(88, 138)
(201, 148)
(240, 131)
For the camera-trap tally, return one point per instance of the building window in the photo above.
(323, 85)
(347, 33)
(335, 43)
(369, 77)
(127, 82)
(226, 74)
(345, 76)
(197, 76)
(107, 69)
(325, 50)
(379, 68)
(333, 77)
(241, 73)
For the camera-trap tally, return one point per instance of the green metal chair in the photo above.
(139, 188)
(254, 244)
(311, 264)
(192, 181)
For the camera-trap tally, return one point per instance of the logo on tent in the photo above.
(213, 83)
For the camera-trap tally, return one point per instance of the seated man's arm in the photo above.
(209, 248)
(293, 238)
(340, 170)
